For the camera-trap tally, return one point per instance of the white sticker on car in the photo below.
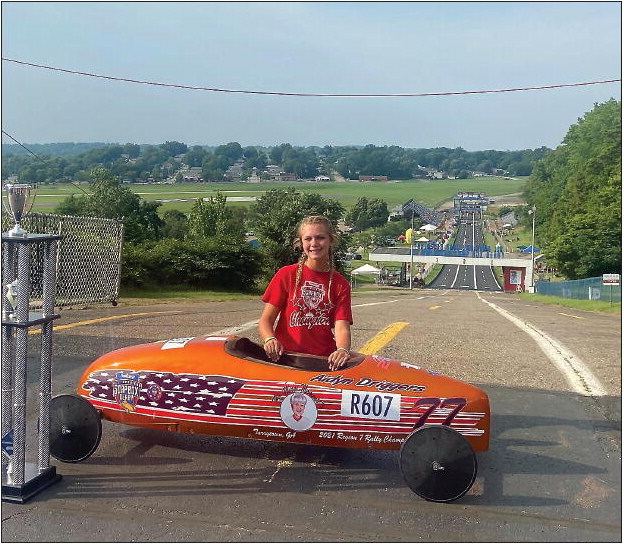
(176, 343)
(370, 405)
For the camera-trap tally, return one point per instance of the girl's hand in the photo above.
(338, 358)
(273, 348)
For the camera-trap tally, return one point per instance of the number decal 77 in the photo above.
(432, 403)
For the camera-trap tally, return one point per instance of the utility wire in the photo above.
(323, 95)
(23, 146)
(41, 159)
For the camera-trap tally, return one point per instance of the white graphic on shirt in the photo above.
(312, 311)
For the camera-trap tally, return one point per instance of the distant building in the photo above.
(194, 173)
(373, 178)
(235, 170)
(286, 176)
(254, 177)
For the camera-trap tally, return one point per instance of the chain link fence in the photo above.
(585, 289)
(88, 261)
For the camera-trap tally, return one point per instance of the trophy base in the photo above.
(17, 232)
(38, 481)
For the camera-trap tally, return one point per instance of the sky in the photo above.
(382, 48)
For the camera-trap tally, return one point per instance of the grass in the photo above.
(429, 192)
(134, 296)
(600, 306)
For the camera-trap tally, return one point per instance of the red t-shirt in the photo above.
(305, 325)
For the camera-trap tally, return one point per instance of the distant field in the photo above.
(431, 193)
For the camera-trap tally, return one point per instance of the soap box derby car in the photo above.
(226, 386)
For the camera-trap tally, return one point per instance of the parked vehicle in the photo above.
(226, 386)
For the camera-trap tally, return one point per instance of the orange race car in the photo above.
(226, 386)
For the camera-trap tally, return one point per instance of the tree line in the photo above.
(577, 194)
(53, 163)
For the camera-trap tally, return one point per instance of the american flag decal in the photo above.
(186, 393)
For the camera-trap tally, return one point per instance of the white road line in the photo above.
(235, 330)
(455, 278)
(372, 303)
(580, 378)
(251, 324)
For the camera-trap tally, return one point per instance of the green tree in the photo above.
(70, 206)
(576, 190)
(367, 213)
(195, 156)
(211, 217)
(218, 262)
(109, 199)
(174, 148)
(276, 215)
(175, 224)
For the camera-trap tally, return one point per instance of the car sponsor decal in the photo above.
(364, 381)
(367, 405)
(176, 343)
(125, 389)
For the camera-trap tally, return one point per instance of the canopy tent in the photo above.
(429, 228)
(531, 249)
(365, 269)
(422, 239)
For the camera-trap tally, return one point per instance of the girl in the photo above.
(311, 298)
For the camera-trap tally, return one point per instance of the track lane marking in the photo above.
(580, 378)
(572, 315)
(383, 338)
(102, 319)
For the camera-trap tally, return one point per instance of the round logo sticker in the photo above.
(298, 411)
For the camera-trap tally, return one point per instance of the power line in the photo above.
(37, 156)
(321, 95)
(23, 146)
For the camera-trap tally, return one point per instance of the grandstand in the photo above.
(428, 215)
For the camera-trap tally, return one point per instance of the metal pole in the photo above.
(412, 251)
(533, 252)
(21, 356)
(45, 380)
(8, 347)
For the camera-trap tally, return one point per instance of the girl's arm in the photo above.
(342, 333)
(272, 345)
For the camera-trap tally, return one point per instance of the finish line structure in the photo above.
(517, 270)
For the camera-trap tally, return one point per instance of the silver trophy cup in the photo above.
(18, 202)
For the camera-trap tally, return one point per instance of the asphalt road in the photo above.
(552, 474)
(482, 278)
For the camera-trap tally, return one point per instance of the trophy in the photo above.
(17, 200)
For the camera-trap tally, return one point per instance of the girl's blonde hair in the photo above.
(334, 238)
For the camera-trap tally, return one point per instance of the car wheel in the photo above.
(75, 428)
(438, 463)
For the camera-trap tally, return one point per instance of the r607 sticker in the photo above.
(369, 405)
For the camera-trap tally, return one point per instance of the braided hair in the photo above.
(298, 244)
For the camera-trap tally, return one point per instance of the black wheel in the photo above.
(438, 463)
(75, 428)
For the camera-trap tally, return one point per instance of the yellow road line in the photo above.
(435, 307)
(102, 319)
(574, 316)
(382, 338)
